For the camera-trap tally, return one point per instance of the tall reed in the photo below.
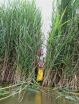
(20, 37)
(62, 49)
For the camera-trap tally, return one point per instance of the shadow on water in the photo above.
(38, 97)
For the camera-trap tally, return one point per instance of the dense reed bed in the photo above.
(62, 62)
(20, 38)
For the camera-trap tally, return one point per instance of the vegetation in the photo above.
(62, 50)
(20, 38)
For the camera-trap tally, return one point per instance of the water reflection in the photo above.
(45, 97)
(38, 98)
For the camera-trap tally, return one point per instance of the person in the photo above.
(39, 67)
(40, 73)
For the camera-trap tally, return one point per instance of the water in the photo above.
(32, 97)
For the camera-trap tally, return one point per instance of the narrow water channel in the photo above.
(31, 97)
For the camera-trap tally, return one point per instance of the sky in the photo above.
(46, 10)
